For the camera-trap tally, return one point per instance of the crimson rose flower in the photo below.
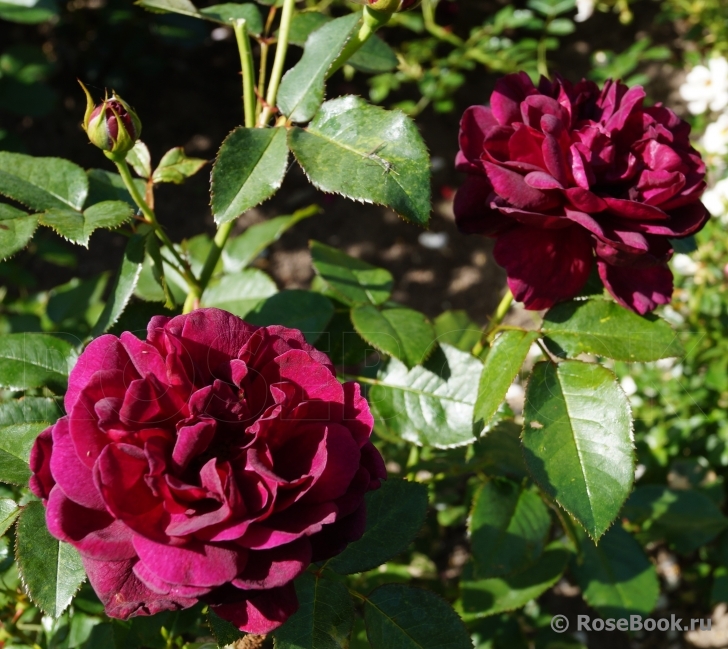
(213, 461)
(565, 174)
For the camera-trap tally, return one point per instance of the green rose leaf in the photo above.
(16, 230)
(351, 280)
(249, 169)
(140, 159)
(16, 442)
(685, 518)
(77, 227)
(577, 440)
(484, 597)
(30, 360)
(239, 293)
(29, 410)
(230, 12)
(33, 12)
(75, 298)
(508, 526)
(42, 183)
(605, 328)
(9, 511)
(243, 249)
(502, 364)
(184, 7)
(175, 167)
(374, 57)
(400, 332)
(107, 186)
(302, 87)
(616, 577)
(324, 619)
(367, 154)
(457, 329)
(499, 452)
(397, 615)
(51, 570)
(224, 632)
(428, 405)
(124, 285)
(303, 310)
(395, 513)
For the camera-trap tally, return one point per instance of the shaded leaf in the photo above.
(309, 312)
(16, 230)
(239, 293)
(243, 249)
(324, 619)
(457, 329)
(30, 360)
(249, 169)
(107, 186)
(395, 513)
(508, 526)
(124, 285)
(484, 597)
(302, 87)
(577, 440)
(428, 405)
(605, 328)
(51, 570)
(229, 12)
(9, 511)
(616, 577)
(29, 410)
(502, 364)
(400, 332)
(16, 441)
(685, 518)
(352, 280)
(367, 154)
(42, 183)
(224, 632)
(397, 615)
(375, 57)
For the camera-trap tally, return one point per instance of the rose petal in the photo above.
(544, 266)
(41, 482)
(261, 611)
(473, 214)
(639, 289)
(276, 567)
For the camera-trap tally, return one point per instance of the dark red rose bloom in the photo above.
(212, 462)
(563, 175)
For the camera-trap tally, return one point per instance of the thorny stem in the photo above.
(151, 217)
(246, 65)
(500, 313)
(278, 61)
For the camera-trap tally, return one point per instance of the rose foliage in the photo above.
(565, 175)
(212, 462)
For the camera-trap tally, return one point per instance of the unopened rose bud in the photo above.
(113, 126)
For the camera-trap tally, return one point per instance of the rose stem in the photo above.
(500, 313)
(278, 61)
(223, 232)
(151, 217)
(246, 64)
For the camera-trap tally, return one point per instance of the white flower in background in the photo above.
(715, 199)
(707, 87)
(584, 9)
(715, 139)
(684, 265)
